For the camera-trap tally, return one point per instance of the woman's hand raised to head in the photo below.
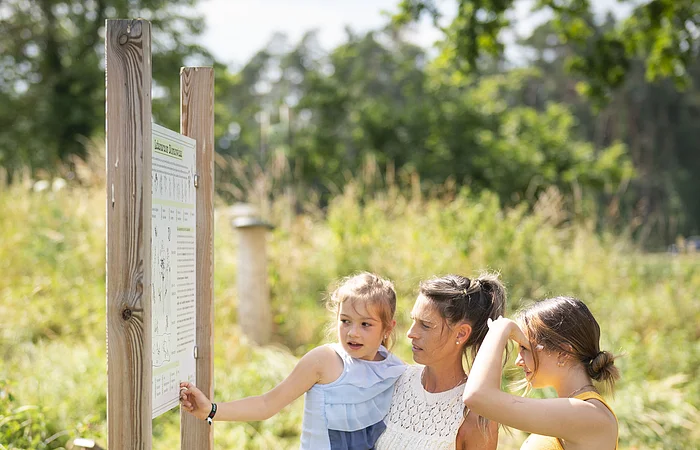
(194, 401)
(513, 330)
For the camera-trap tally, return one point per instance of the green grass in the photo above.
(52, 304)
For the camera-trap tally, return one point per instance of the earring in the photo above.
(457, 342)
(560, 364)
(385, 337)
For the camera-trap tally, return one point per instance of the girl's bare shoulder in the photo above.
(328, 363)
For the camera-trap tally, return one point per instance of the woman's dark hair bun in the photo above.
(602, 367)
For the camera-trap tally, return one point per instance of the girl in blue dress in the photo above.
(347, 385)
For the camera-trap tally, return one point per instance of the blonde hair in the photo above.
(374, 291)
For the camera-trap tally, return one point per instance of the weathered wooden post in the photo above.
(197, 122)
(128, 142)
(160, 209)
(254, 315)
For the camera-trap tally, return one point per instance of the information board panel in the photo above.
(173, 256)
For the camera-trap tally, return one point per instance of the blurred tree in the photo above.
(255, 115)
(367, 99)
(664, 33)
(632, 72)
(655, 120)
(377, 97)
(52, 72)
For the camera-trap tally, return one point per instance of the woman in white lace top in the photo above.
(449, 323)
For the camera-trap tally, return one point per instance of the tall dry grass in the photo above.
(52, 298)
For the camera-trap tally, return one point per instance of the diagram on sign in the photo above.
(177, 188)
(161, 277)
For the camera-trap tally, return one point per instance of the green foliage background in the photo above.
(595, 104)
(376, 155)
(53, 377)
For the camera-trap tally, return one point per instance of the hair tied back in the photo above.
(596, 356)
(474, 286)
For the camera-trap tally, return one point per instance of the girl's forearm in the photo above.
(247, 409)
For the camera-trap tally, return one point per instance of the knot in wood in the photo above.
(126, 314)
(123, 39)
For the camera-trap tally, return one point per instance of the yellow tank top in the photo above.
(538, 442)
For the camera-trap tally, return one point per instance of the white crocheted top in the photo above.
(419, 419)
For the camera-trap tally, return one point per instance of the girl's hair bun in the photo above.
(602, 367)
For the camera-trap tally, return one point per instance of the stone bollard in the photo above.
(254, 315)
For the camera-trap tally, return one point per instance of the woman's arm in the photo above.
(567, 418)
(311, 369)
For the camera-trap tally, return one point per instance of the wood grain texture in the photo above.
(197, 122)
(128, 147)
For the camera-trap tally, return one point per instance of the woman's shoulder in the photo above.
(408, 382)
(411, 371)
(606, 417)
(604, 420)
(594, 398)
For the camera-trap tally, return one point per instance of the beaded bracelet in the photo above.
(212, 413)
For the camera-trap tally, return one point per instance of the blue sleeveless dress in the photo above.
(347, 414)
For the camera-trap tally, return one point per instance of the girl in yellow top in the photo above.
(559, 347)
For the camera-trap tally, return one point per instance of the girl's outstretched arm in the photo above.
(568, 418)
(314, 367)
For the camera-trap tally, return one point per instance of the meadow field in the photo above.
(52, 303)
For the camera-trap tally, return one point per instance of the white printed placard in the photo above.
(173, 265)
